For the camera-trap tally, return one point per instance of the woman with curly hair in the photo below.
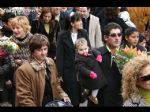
(136, 82)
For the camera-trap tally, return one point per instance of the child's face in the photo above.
(133, 39)
(83, 50)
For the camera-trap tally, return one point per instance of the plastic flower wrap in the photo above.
(123, 55)
(10, 47)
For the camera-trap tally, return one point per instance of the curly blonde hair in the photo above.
(130, 74)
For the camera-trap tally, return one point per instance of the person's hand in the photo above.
(8, 84)
(18, 61)
(99, 58)
(66, 99)
(93, 75)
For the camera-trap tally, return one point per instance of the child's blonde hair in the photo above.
(80, 42)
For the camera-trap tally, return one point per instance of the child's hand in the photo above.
(93, 75)
(99, 58)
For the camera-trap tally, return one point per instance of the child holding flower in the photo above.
(89, 73)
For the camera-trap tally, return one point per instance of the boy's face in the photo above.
(40, 54)
(83, 50)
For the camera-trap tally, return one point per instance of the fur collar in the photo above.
(36, 66)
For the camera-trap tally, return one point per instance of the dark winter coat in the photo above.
(6, 71)
(38, 27)
(65, 61)
(86, 64)
(111, 94)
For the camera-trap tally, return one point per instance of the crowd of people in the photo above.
(67, 54)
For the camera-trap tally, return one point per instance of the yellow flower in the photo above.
(124, 55)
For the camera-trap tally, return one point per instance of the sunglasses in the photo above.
(145, 78)
(116, 34)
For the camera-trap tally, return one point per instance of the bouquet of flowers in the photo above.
(9, 47)
(126, 54)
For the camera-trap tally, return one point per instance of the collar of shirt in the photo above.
(112, 54)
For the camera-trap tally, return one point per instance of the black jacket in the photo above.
(38, 27)
(111, 94)
(6, 71)
(86, 64)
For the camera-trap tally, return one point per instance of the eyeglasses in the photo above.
(145, 78)
(116, 34)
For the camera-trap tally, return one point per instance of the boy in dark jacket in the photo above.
(88, 70)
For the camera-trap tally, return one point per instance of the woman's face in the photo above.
(77, 24)
(18, 31)
(144, 80)
(133, 39)
(40, 54)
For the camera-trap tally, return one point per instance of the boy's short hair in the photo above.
(37, 41)
(6, 16)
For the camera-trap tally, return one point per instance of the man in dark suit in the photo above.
(111, 94)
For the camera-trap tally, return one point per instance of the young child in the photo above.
(88, 70)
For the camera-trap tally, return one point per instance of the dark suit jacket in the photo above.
(111, 94)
